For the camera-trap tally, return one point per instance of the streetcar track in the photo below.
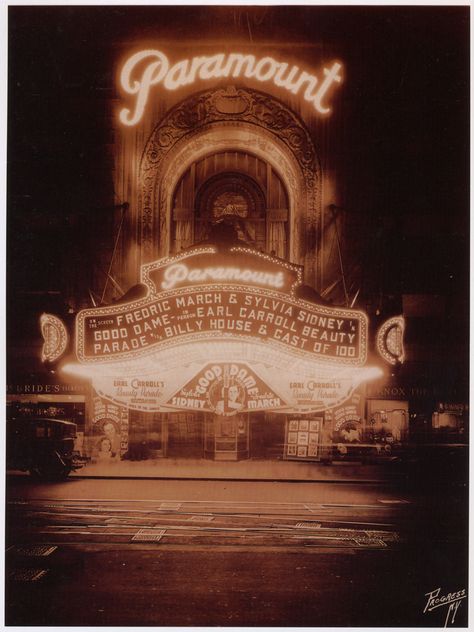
(303, 505)
(269, 530)
(236, 523)
(283, 539)
(186, 516)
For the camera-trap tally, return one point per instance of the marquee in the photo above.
(220, 331)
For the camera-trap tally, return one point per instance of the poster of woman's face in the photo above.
(108, 445)
(104, 449)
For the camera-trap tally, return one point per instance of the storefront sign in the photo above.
(452, 408)
(46, 389)
(148, 68)
(377, 390)
(236, 267)
(241, 295)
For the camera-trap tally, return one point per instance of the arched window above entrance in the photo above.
(235, 187)
(236, 199)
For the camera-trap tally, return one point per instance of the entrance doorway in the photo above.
(233, 187)
(227, 437)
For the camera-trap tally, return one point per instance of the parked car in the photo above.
(42, 446)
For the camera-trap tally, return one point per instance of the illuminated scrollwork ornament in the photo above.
(55, 337)
(390, 340)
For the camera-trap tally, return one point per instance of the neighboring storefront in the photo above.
(53, 400)
(406, 409)
(450, 421)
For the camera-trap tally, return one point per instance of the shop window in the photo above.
(55, 408)
(388, 425)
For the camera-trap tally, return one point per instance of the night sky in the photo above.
(407, 136)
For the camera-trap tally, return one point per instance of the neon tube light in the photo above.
(55, 337)
(150, 67)
(179, 272)
(389, 340)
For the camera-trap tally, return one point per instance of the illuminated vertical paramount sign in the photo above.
(148, 68)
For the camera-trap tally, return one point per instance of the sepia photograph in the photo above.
(237, 315)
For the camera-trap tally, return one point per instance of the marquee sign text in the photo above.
(222, 331)
(201, 313)
(209, 302)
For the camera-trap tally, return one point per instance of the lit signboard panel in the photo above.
(184, 377)
(222, 331)
(244, 296)
(226, 389)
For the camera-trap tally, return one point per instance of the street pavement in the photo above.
(91, 552)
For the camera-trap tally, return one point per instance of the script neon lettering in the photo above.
(178, 273)
(150, 67)
(154, 72)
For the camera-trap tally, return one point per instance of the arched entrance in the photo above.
(231, 120)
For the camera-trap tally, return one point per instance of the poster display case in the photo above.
(303, 438)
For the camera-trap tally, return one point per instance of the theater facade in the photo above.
(229, 304)
(222, 347)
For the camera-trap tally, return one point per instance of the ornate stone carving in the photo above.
(261, 109)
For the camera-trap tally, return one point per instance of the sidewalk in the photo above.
(239, 470)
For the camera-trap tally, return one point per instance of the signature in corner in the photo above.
(451, 601)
